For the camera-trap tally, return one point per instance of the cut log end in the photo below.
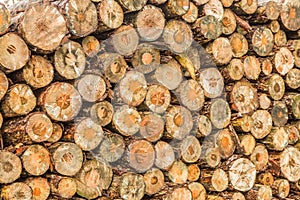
(11, 167)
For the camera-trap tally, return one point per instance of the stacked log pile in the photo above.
(157, 99)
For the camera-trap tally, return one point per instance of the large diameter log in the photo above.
(10, 167)
(61, 101)
(5, 16)
(19, 100)
(16, 190)
(290, 163)
(15, 52)
(43, 26)
(82, 17)
(289, 15)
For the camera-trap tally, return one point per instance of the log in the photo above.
(262, 124)
(288, 15)
(91, 46)
(193, 172)
(57, 133)
(81, 17)
(40, 187)
(243, 124)
(264, 101)
(281, 188)
(177, 35)
(229, 22)
(5, 19)
(165, 155)
(220, 113)
(110, 15)
(225, 143)
(296, 53)
(284, 61)
(132, 186)
(131, 5)
(260, 192)
(263, 41)
(276, 87)
(274, 25)
(61, 101)
(198, 191)
(221, 50)
(67, 158)
(60, 186)
(246, 6)
(152, 127)
(4, 84)
(158, 98)
(279, 114)
(247, 144)
(158, 2)
(277, 139)
(265, 178)
(146, 58)
(227, 3)
(235, 69)
(212, 157)
(212, 82)
(266, 66)
(260, 157)
(141, 155)
(293, 133)
(190, 149)
(178, 172)
(102, 113)
(43, 27)
(216, 180)
(16, 190)
(181, 193)
(252, 67)
(289, 163)
(204, 126)
(154, 181)
(207, 28)
(242, 174)
(174, 8)
(214, 8)
(69, 60)
(239, 45)
(179, 122)
(280, 38)
(234, 196)
(10, 167)
(16, 54)
(292, 78)
(192, 14)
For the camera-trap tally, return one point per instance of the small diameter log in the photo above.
(239, 45)
(193, 172)
(146, 58)
(64, 187)
(179, 122)
(260, 157)
(212, 82)
(5, 19)
(38, 72)
(266, 66)
(110, 15)
(276, 87)
(212, 157)
(214, 180)
(260, 192)
(242, 174)
(243, 124)
(274, 26)
(113, 66)
(235, 69)
(263, 41)
(152, 127)
(132, 186)
(247, 144)
(112, 147)
(279, 113)
(149, 22)
(154, 181)
(252, 67)
(67, 158)
(82, 17)
(214, 8)
(131, 5)
(10, 167)
(133, 88)
(265, 178)
(225, 143)
(289, 15)
(198, 191)
(281, 188)
(264, 101)
(56, 133)
(262, 124)
(220, 113)
(69, 60)
(43, 27)
(165, 155)
(191, 94)
(91, 87)
(244, 97)
(280, 38)
(221, 50)
(293, 133)
(127, 120)
(204, 126)
(93, 177)
(40, 187)
(19, 100)
(91, 46)
(247, 7)
(284, 61)
(102, 113)
(158, 98)
(169, 74)
(290, 163)
(15, 52)
(207, 28)
(36, 160)
(277, 139)
(177, 35)
(190, 149)
(192, 14)
(16, 190)
(180, 193)
(175, 8)
(125, 40)
(141, 155)
(61, 101)
(88, 134)
(292, 78)
(229, 22)
(178, 172)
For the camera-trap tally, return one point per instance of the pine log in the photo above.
(229, 22)
(181, 193)
(193, 172)
(40, 187)
(247, 144)
(102, 113)
(265, 179)
(246, 7)
(262, 41)
(277, 139)
(64, 187)
(152, 127)
(279, 113)
(192, 14)
(221, 50)
(91, 46)
(207, 28)
(69, 60)
(252, 67)
(284, 61)
(235, 69)
(225, 143)
(260, 192)
(16, 52)
(212, 157)
(204, 126)
(158, 98)
(10, 167)
(293, 133)
(4, 84)
(174, 8)
(190, 149)
(276, 87)
(16, 190)
(61, 101)
(82, 17)
(262, 121)
(214, 180)
(178, 172)
(5, 19)
(154, 181)
(43, 27)
(243, 124)
(132, 186)
(281, 188)
(260, 157)
(220, 113)
(264, 101)
(289, 15)
(239, 45)
(214, 8)
(266, 66)
(198, 191)
(165, 155)
(289, 163)
(274, 25)
(57, 133)
(292, 78)
(280, 38)
(131, 5)
(212, 82)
